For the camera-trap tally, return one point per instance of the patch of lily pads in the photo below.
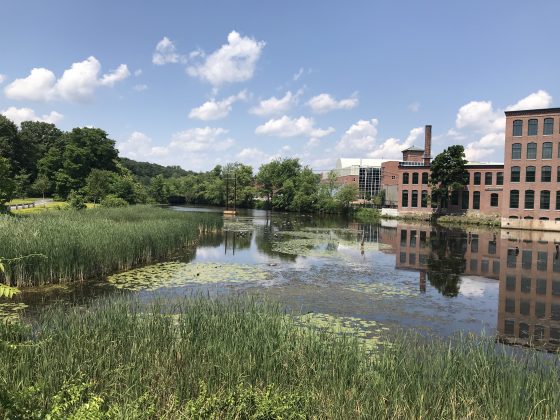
(237, 226)
(382, 290)
(369, 332)
(10, 311)
(177, 274)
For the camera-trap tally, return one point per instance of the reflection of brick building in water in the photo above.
(431, 251)
(529, 304)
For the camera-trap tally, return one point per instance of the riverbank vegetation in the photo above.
(237, 358)
(76, 245)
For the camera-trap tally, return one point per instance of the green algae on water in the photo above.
(10, 311)
(176, 274)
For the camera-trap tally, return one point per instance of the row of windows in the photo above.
(533, 127)
(538, 334)
(530, 174)
(415, 175)
(524, 308)
(529, 202)
(527, 264)
(546, 152)
(494, 199)
(488, 178)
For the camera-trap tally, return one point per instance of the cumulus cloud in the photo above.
(193, 148)
(361, 136)
(324, 103)
(480, 126)
(215, 110)
(232, 62)
(292, 127)
(77, 84)
(19, 115)
(392, 148)
(274, 105)
(166, 52)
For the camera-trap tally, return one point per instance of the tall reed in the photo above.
(156, 360)
(97, 242)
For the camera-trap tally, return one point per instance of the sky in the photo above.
(200, 83)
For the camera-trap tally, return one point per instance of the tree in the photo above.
(76, 200)
(346, 195)
(7, 184)
(22, 184)
(99, 183)
(36, 139)
(448, 173)
(9, 143)
(41, 185)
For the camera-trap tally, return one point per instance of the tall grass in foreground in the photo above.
(97, 242)
(238, 358)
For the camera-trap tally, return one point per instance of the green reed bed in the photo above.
(237, 358)
(74, 245)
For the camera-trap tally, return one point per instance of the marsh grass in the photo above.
(96, 242)
(238, 358)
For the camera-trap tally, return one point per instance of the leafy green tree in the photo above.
(7, 184)
(99, 183)
(448, 173)
(22, 184)
(36, 139)
(159, 189)
(76, 200)
(346, 195)
(9, 143)
(41, 185)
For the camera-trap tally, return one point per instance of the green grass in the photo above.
(85, 244)
(237, 358)
(15, 201)
(367, 215)
(51, 205)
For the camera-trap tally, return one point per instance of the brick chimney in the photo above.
(427, 144)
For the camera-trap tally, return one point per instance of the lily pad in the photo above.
(382, 290)
(237, 226)
(176, 274)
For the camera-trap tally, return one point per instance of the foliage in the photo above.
(112, 200)
(80, 245)
(238, 358)
(448, 173)
(7, 185)
(76, 201)
(366, 215)
(346, 195)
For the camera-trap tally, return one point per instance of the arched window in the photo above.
(533, 127)
(515, 174)
(500, 178)
(558, 174)
(516, 151)
(424, 198)
(415, 177)
(530, 174)
(488, 178)
(425, 178)
(494, 199)
(545, 200)
(477, 178)
(518, 128)
(548, 126)
(531, 150)
(405, 198)
(405, 177)
(557, 200)
(414, 201)
(529, 199)
(546, 174)
(547, 150)
(544, 218)
(514, 199)
(476, 200)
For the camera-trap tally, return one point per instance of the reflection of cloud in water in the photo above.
(474, 286)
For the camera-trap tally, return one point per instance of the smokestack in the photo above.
(427, 144)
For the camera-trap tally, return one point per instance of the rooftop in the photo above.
(533, 112)
(346, 162)
(413, 148)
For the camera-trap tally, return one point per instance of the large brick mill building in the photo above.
(524, 191)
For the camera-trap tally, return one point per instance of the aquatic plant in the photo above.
(122, 358)
(98, 242)
(174, 274)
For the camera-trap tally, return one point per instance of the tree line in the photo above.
(39, 159)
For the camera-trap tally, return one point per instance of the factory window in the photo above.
(546, 174)
(476, 200)
(545, 200)
(531, 150)
(518, 128)
(530, 174)
(405, 177)
(514, 199)
(548, 126)
(557, 200)
(533, 127)
(424, 198)
(405, 198)
(516, 151)
(415, 177)
(477, 178)
(515, 174)
(414, 201)
(488, 178)
(500, 178)
(425, 178)
(494, 200)
(529, 199)
(547, 150)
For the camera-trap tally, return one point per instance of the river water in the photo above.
(376, 277)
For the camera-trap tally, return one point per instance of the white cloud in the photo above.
(215, 110)
(77, 84)
(414, 107)
(166, 52)
(288, 127)
(538, 100)
(138, 72)
(392, 148)
(140, 88)
(193, 148)
(274, 105)
(324, 103)
(2, 78)
(232, 62)
(360, 137)
(480, 127)
(18, 115)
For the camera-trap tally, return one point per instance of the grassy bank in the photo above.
(458, 220)
(74, 245)
(238, 358)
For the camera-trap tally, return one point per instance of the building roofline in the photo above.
(532, 112)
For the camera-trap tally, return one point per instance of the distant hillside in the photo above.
(144, 171)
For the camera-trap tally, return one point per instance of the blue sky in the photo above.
(197, 83)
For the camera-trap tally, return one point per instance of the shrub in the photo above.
(112, 200)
